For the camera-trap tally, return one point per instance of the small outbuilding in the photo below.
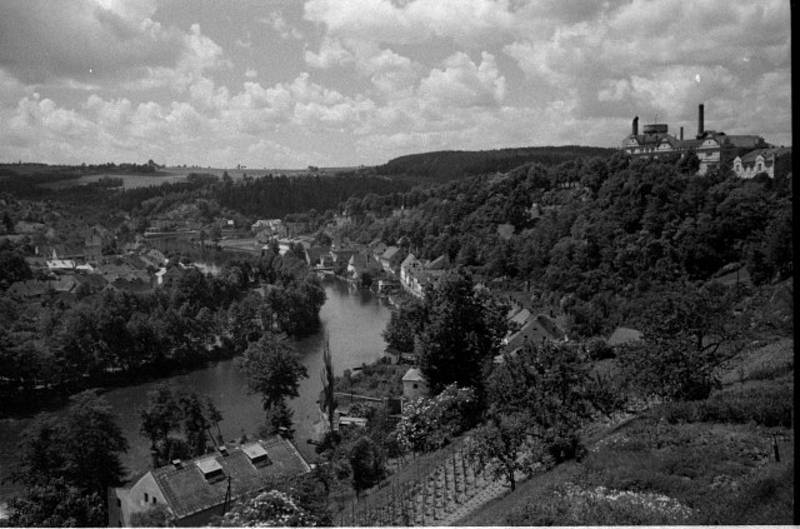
(414, 384)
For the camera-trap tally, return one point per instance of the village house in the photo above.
(340, 255)
(360, 264)
(762, 161)
(97, 238)
(391, 259)
(415, 275)
(524, 327)
(197, 490)
(414, 384)
(318, 256)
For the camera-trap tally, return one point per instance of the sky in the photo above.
(287, 84)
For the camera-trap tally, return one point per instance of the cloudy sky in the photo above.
(292, 83)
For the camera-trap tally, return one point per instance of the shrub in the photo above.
(572, 505)
(430, 423)
(768, 406)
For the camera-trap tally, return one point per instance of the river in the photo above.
(352, 318)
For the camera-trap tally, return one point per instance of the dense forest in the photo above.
(595, 236)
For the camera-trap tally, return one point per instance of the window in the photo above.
(119, 502)
(146, 499)
(415, 386)
(154, 500)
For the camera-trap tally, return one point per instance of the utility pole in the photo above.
(227, 502)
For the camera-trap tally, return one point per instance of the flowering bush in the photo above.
(430, 423)
(572, 505)
(269, 509)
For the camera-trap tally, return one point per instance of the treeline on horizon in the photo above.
(272, 196)
(446, 165)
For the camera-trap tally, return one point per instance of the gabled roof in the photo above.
(390, 252)
(520, 317)
(408, 261)
(440, 263)
(751, 156)
(413, 375)
(188, 491)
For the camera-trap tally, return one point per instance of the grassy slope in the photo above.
(722, 470)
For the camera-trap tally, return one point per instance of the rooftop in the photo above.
(189, 490)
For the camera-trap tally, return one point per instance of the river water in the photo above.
(352, 318)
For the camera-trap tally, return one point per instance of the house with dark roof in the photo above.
(762, 161)
(197, 490)
(391, 259)
(713, 148)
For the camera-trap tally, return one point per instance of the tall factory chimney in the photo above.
(700, 127)
(635, 126)
(681, 133)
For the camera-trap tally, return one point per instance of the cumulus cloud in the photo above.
(359, 81)
(277, 22)
(464, 21)
(462, 83)
(83, 39)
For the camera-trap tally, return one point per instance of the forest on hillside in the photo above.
(598, 236)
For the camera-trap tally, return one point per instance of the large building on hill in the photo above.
(713, 148)
(196, 491)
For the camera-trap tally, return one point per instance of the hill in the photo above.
(445, 165)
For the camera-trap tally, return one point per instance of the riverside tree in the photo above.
(67, 463)
(274, 371)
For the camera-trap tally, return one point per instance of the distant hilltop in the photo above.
(444, 165)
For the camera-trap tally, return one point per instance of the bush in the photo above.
(768, 406)
(430, 424)
(572, 505)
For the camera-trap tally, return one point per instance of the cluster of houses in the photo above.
(72, 269)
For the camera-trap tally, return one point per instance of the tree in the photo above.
(404, 324)
(274, 371)
(12, 267)
(184, 413)
(462, 335)
(367, 462)
(539, 400)
(503, 445)
(688, 332)
(161, 416)
(328, 385)
(67, 463)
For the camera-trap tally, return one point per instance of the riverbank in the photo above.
(352, 319)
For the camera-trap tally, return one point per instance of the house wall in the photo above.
(123, 502)
(413, 389)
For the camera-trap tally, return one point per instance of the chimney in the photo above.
(681, 133)
(635, 126)
(700, 127)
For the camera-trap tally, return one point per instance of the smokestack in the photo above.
(700, 127)
(681, 133)
(635, 126)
